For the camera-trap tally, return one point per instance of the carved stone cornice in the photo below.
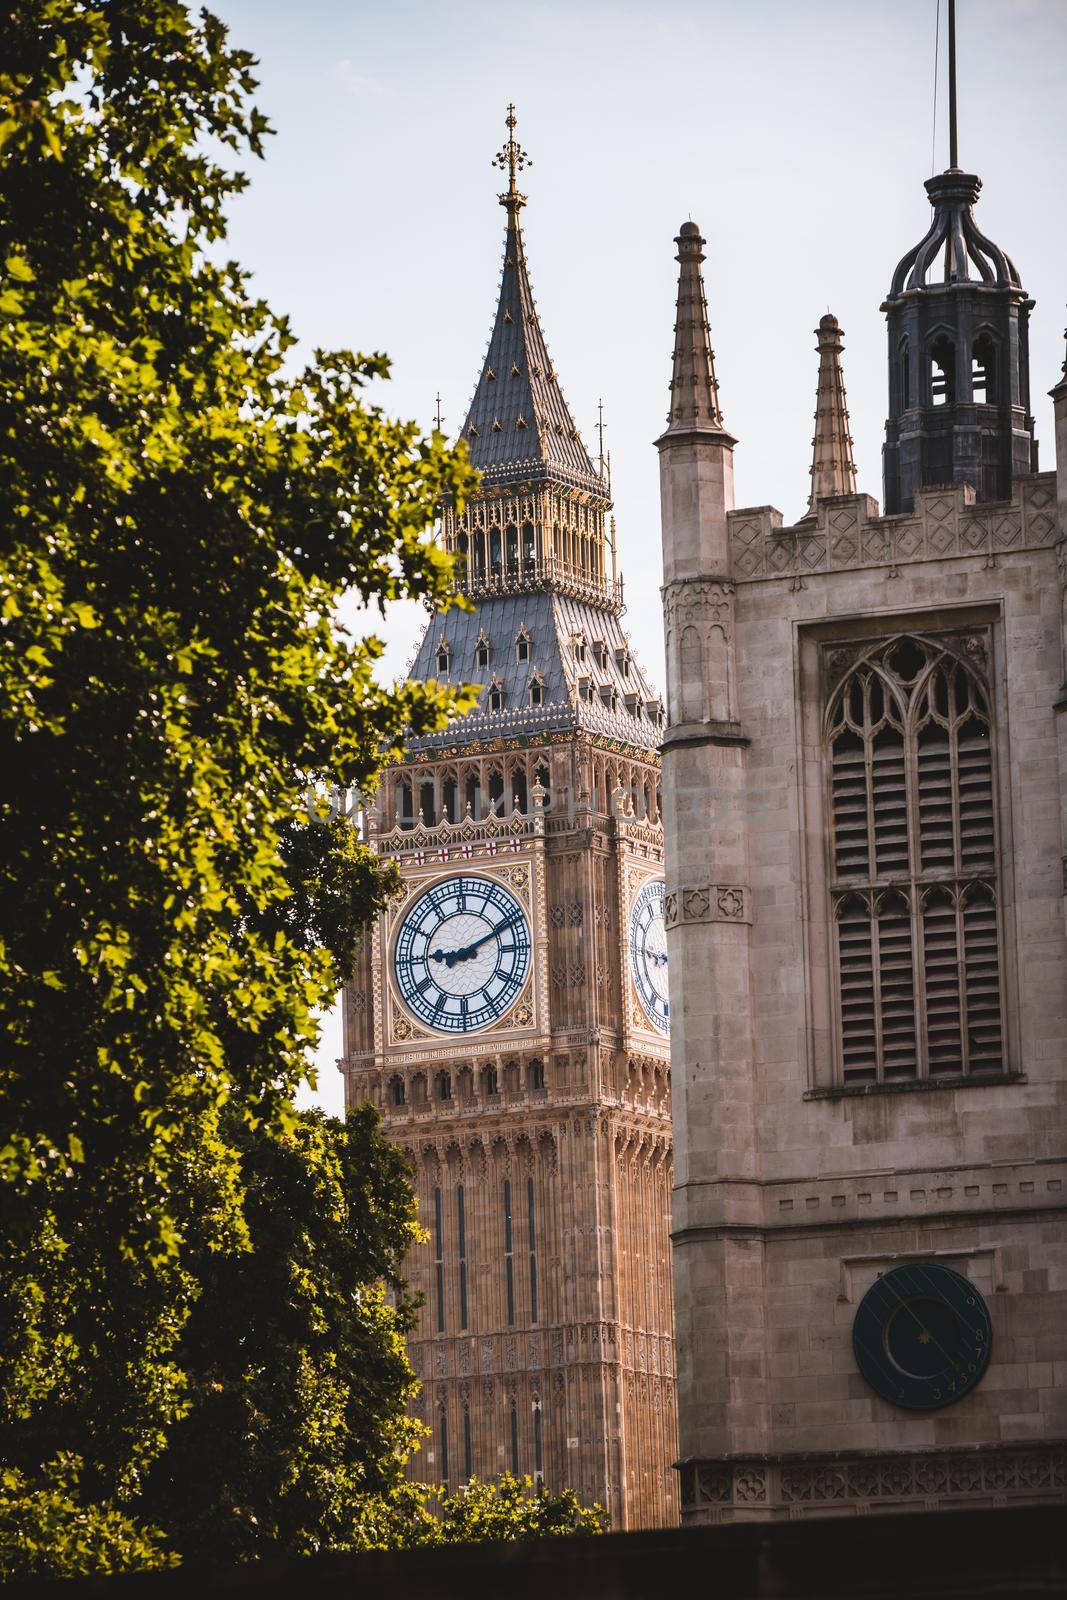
(694, 733)
(720, 1488)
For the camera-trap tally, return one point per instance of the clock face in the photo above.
(922, 1335)
(648, 954)
(462, 954)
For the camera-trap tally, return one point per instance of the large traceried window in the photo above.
(913, 868)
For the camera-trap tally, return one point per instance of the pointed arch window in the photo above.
(522, 645)
(496, 695)
(984, 370)
(444, 656)
(537, 690)
(942, 371)
(481, 653)
(913, 868)
(905, 375)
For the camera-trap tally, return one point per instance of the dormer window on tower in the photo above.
(444, 656)
(481, 653)
(600, 653)
(522, 645)
(537, 690)
(495, 697)
(579, 649)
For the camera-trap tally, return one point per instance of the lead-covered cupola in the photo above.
(959, 371)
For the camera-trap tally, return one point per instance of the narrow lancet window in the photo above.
(509, 1269)
(533, 1247)
(943, 372)
(439, 1260)
(461, 1242)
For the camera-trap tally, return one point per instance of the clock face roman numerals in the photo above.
(462, 954)
(648, 954)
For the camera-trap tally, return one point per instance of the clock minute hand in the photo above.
(469, 949)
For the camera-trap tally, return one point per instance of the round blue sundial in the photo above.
(922, 1335)
(462, 954)
(648, 954)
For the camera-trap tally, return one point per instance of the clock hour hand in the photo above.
(449, 957)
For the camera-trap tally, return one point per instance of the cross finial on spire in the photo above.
(437, 418)
(512, 159)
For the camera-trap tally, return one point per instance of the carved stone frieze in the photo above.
(989, 1474)
(711, 902)
(698, 600)
(848, 532)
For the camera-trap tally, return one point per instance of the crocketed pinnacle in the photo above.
(694, 390)
(519, 428)
(833, 469)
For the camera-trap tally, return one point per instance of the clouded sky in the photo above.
(797, 133)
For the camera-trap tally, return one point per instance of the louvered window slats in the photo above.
(914, 867)
(941, 970)
(896, 989)
(981, 952)
(856, 964)
(889, 803)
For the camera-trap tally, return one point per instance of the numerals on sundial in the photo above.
(922, 1335)
(462, 954)
(648, 954)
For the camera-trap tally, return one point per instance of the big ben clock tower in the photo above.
(509, 1014)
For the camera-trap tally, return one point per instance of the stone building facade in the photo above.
(508, 1014)
(865, 812)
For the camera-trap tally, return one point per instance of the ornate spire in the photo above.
(833, 469)
(694, 390)
(519, 428)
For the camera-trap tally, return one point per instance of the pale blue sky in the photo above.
(798, 136)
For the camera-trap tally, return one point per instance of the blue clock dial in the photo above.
(648, 954)
(462, 954)
(922, 1336)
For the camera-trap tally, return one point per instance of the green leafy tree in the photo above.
(512, 1508)
(295, 1438)
(181, 507)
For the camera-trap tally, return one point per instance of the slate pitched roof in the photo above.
(518, 426)
(579, 653)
